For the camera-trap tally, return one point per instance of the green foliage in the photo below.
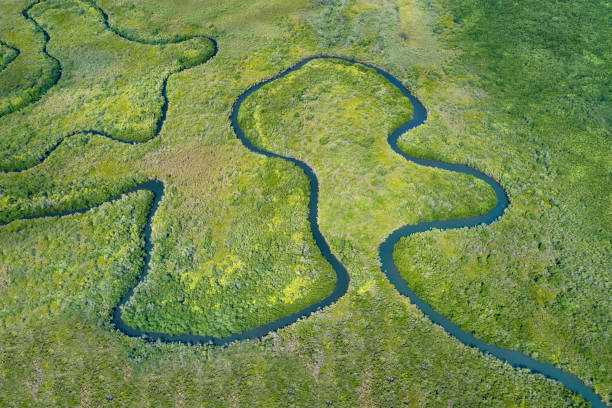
(33, 73)
(336, 116)
(39, 191)
(372, 348)
(108, 84)
(256, 262)
(7, 55)
(538, 91)
(60, 277)
(76, 266)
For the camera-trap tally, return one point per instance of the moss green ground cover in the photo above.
(540, 279)
(33, 73)
(372, 348)
(255, 262)
(108, 84)
(7, 55)
(274, 268)
(78, 264)
(336, 116)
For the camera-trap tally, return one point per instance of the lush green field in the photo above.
(336, 116)
(7, 55)
(108, 84)
(231, 242)
(539, 280)
(254, 262)
(33, 73)
(76, 265)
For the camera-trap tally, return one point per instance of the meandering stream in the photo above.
(511, 357)
(58, 74)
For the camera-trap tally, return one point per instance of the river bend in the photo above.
(512, 357)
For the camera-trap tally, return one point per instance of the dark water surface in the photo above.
(58, 74)
(514, 358)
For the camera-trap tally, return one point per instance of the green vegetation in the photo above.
(57, 347)
(274, 268)
(99, 169)
(7, 55)
(255, 262)
(540, 279)
(33, 73)
(225, 206)
(77, 265)
(108, 84)
(366, 190)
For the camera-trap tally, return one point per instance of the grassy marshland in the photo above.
(516, 90)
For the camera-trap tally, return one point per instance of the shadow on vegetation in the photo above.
(512, 357)
(55, 79)
(9, 57)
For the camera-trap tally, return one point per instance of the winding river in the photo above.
(514, 358)
(164, 108)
